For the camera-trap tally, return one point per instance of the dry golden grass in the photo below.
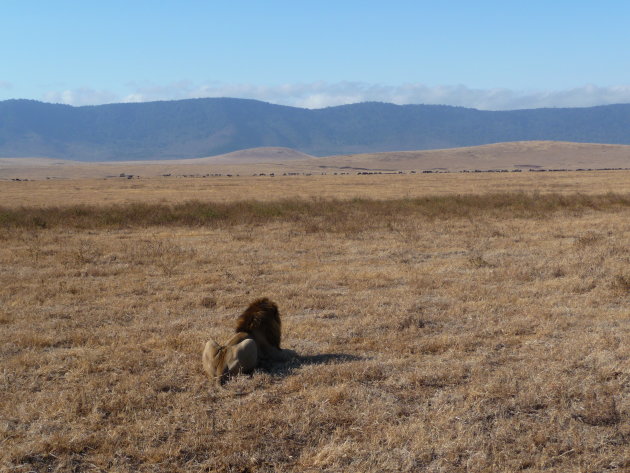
(225, 189)
(493, 339)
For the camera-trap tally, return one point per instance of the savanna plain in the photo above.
(441, 324)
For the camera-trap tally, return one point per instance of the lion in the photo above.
(261, 320)
(257, 339)
(238, 356)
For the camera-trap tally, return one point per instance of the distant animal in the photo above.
(257, 338)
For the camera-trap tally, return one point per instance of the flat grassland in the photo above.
(266, 188)
(443, 323)
(520, 155)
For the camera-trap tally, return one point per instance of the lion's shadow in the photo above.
(286, 368)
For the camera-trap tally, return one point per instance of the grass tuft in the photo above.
(317, 215)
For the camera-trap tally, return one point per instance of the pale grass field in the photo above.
(484, 343)
(508, 156)
(265, 188)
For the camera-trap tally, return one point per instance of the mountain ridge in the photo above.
(194, 128)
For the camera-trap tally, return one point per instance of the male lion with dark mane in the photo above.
(257, 338)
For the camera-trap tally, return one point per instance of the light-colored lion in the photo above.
(257, 338)
(238, 355)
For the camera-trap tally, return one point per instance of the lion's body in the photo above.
(257, 337)
(238, 355)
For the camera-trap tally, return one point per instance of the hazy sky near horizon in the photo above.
(484, 54)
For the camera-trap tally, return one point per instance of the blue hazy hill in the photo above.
(205, 127)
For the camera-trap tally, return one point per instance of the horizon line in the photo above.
(189, 99)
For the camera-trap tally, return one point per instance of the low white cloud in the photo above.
(323, 94)
(81, 96)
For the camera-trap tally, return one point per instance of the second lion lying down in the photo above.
(257, 338)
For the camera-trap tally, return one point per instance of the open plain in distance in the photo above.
(516, 156)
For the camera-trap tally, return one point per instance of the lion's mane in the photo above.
(261, 320)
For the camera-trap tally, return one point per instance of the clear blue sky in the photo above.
(488, 54)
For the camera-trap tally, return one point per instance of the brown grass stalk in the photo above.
(197, 213)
